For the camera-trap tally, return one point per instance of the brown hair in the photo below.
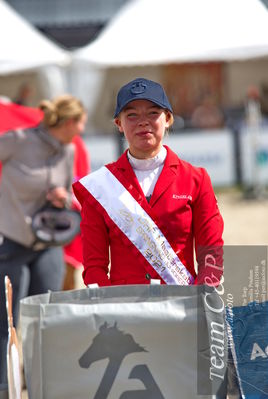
(60, 109)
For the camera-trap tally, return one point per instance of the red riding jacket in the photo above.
(183, 206)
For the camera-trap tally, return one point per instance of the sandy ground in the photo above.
(246, 223)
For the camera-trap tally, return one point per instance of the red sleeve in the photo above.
(208, 230)
(81, 166)
(15, 116)
(95, 241)
(81, 158)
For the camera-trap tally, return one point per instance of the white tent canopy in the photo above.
(22, 47)
(171, 31)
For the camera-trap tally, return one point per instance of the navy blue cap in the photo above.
(141, 89)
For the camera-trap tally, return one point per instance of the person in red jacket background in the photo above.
(145, 216)
(72, 252)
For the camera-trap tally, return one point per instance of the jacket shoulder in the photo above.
(121, 162)
(194, 170)
(18, 134)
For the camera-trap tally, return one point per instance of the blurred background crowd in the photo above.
(212, 59)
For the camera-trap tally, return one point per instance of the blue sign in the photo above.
(248, 339)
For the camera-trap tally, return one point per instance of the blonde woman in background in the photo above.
(37, 167)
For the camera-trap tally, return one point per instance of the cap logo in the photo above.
(138, 88)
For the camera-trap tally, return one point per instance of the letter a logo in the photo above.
(257, 352)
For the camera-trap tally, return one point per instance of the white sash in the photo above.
(137, 225)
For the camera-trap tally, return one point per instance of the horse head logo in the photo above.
(110, 343)
(113, 344)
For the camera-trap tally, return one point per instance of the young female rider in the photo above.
(143, 215)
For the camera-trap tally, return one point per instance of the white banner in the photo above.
(137, 225)
(102, 150)
(254, 155)
(213, 150)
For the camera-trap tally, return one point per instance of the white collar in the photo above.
(150, 163)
